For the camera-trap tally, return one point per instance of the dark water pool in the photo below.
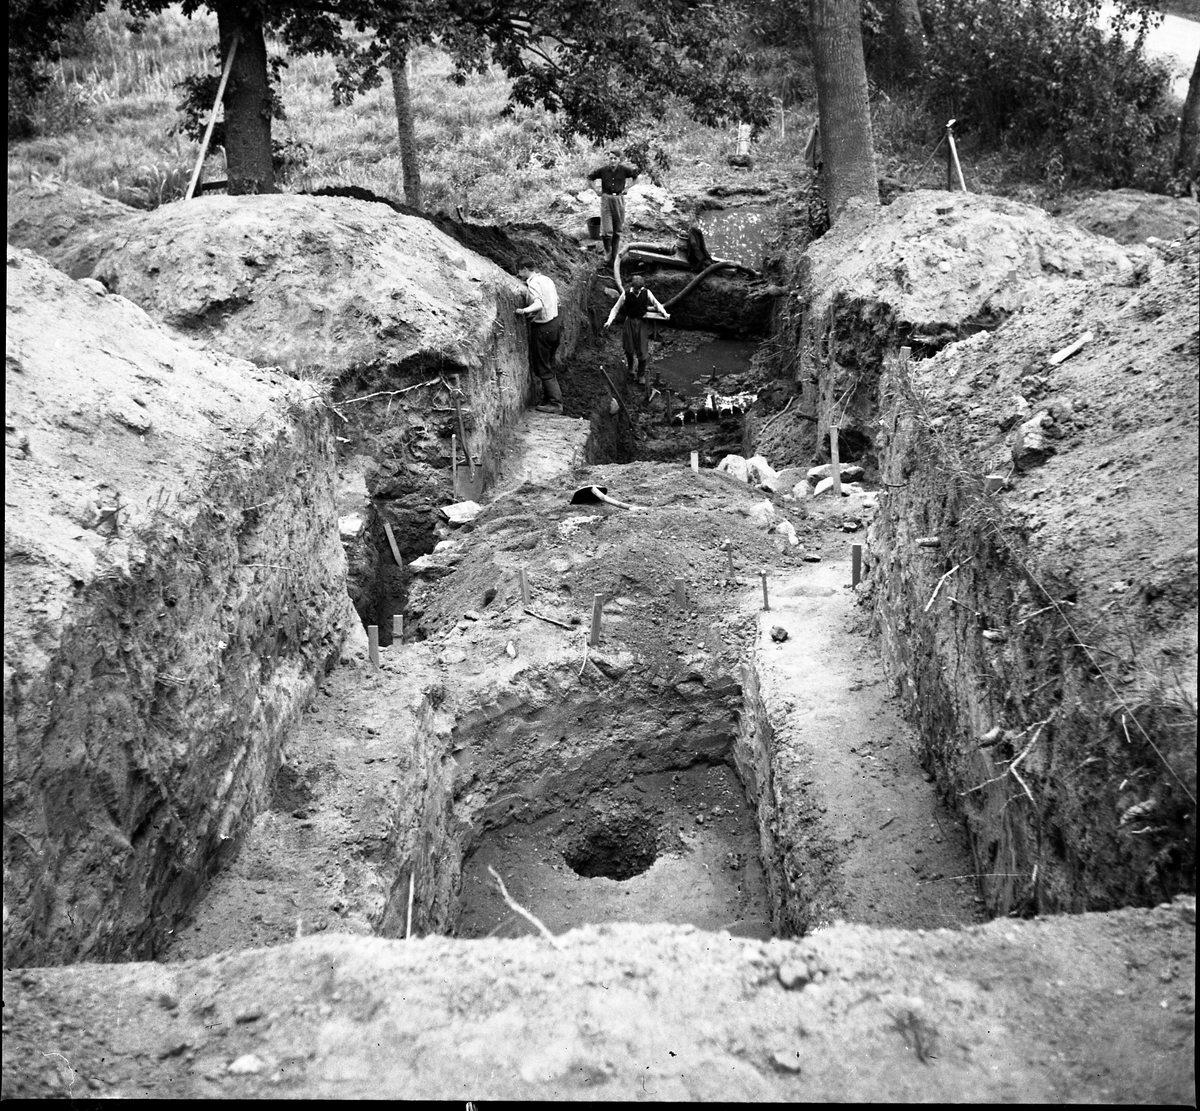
(687, 372)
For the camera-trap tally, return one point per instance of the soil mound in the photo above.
(170, 593)
(1131, 216)
(57, 217)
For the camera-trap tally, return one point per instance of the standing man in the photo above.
(614, 178)
(545, 331)
(635, 337)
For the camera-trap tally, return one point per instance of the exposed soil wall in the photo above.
(1053, 674)
(173, 588)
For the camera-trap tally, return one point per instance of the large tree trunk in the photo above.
(847, 148)
(901, 58)
(247, 102)
(1187, 161)
(409, 162)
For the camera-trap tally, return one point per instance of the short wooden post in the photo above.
(597, 609)
(373, 643)
(454, 461)
(835, 463)
(667, 399)
(680, 593)
(766, 600)
(398, 627)
(729, 553)
(524, 586)
(905, 352)
(696, 462)
(412, 886)
(993, 483)
(391, 537)
(855, 564)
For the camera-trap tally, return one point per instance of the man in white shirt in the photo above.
(545, 331)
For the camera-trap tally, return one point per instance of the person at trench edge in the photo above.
(614, 179)
(635, 336)
(545, 332)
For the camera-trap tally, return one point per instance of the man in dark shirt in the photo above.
(637, 300)
(614, 178)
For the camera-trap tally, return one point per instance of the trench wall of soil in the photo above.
(157, 650)
(1048, 763)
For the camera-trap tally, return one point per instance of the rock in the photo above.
(762, 514)
(246, 1065)
(811, 558)
(786, 1060)
(779, 634)
(848, 471)
(350, 526)
(822, 486)
(1029, 446)
(460, 513)
(94, 286)
(510, 650)
(802, 490)
(789, 531)
(127, 412)
(851, 524)
(785, 480)
(761, 473)
(794, 975)
(451, 656)
(736, 466)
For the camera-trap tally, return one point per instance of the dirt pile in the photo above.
(928, 269)
(1131, 216)
(173, 586)
(1073, 1009)
(1047, 637)
(54, 218)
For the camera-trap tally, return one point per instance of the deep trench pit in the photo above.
(677, 846)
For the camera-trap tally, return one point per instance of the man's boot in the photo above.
(552, 397)
(607, 248)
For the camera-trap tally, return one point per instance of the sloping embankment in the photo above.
(173, 587)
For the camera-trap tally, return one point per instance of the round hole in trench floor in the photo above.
(618, 848)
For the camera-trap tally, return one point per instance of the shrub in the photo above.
(1033, 72)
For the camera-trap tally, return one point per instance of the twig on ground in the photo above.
(585, 655)
(514, 905)
(942, 580)
(551, 620)
(1037, 732)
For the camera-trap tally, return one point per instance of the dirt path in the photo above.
(902, 860)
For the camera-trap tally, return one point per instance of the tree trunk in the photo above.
(1187, 161)
(247, 102)
(847, 147)
(903, 56)
(410, 164)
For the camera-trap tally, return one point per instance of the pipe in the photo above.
(696, 281)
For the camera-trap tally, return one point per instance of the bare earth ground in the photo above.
(1094, 1007)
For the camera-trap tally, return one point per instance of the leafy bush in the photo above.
(1032, 73)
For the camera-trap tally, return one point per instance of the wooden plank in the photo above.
(855, 564)
(835, 469)
(597, 609)
(392, 544)
(373, 643)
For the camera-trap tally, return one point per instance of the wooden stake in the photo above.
(524, 587)
(905, 352)
(412, 886)
(454, 462)
(855, 564)
(766, 600)
(392, 544)
(398, 627)
(729, 553)
(680, 593)
(957, 166)
(597, 609)
(212, 117)
(835, 468)
(667, 399)
(696, 462)
(373, 643)
(993, 483)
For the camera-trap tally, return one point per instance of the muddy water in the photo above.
(687, 372)
(740, 234)
(702, 865)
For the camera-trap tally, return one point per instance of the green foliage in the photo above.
(1041, 74)
(199, 92)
